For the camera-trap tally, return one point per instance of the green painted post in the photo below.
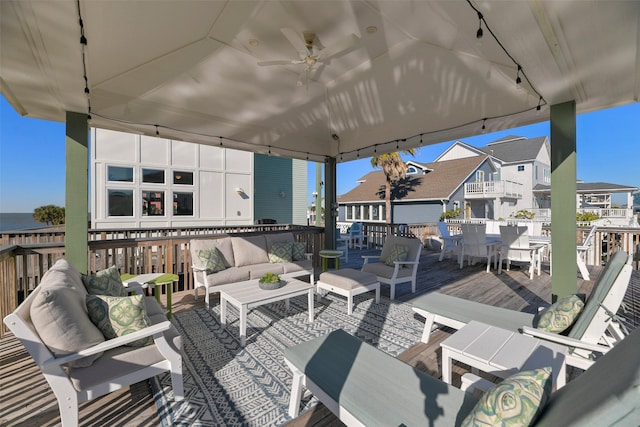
(318, 194)
(329, 203)
(76, 244)
(563, 199)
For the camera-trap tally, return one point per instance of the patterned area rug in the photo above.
(226, 384)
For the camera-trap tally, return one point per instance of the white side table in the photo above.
(501, 352)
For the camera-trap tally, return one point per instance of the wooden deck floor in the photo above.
(27, 400)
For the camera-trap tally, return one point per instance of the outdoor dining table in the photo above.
(495, 240)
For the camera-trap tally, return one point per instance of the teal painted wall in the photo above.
(300, 185)
(280, 187)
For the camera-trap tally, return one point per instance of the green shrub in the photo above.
(453, 213)
(524, 214)
(586, 217)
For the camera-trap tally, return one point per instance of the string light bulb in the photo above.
(484, 126)
(479, 33)
(518, 79)
(539, 105)
(157, 131)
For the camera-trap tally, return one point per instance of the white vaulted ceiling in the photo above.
(190, 68)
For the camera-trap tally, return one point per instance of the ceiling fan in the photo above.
(310, 55)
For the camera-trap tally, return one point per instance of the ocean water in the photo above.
(18, 221)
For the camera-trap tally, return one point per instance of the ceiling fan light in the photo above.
(372, 29)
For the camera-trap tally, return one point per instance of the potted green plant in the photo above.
(271, 281)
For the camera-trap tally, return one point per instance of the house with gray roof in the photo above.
(428, 190)
(491, 182)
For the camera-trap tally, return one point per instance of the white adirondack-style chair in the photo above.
(595, 331)
(401, 271)
(582, 250)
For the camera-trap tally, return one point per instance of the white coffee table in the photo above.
(247, 295)
(501, 352)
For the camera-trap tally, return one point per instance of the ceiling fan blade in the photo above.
(337, 48)
(280, 62)
(295, 39)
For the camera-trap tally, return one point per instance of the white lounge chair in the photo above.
(582, 250)
(399, 271)
(594, 326)
(77, 366)
(364, 386)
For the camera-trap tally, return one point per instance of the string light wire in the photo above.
(252, 146)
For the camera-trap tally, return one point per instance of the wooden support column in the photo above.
(330, 203)
(77, 191)
(563, 199)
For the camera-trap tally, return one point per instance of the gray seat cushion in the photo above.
(465, 311)
(383, 270)
(229, 275)
(606, 394)
(295, 266)
(375, 387)
(223, 244)
(601, 289)
(256, 271)
(250, 250)
(348, 278)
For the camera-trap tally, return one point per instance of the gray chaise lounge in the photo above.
(590, 328)
(365, 387)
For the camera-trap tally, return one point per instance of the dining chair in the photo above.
(475, 244)
(515, 247)
(449, 244)
(342, 244)
(356, 235)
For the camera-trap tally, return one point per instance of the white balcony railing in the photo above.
(493, 189)
(602, 213)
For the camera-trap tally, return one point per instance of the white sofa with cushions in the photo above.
(55, 326)
(235, 259)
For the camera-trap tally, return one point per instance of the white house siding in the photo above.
(216, 172)
(457, 151)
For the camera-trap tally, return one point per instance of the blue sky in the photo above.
(608, 149)
(32, 155)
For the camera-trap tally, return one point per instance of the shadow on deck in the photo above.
(28, 400)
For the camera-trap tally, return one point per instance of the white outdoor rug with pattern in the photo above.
(226, 385)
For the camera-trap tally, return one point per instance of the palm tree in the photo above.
(394, 168)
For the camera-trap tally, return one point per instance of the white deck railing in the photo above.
(493, 189)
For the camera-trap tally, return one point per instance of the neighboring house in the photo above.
(492, 182)
(522, 164)
(427, 191)
(594, 197)
(143, 182)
